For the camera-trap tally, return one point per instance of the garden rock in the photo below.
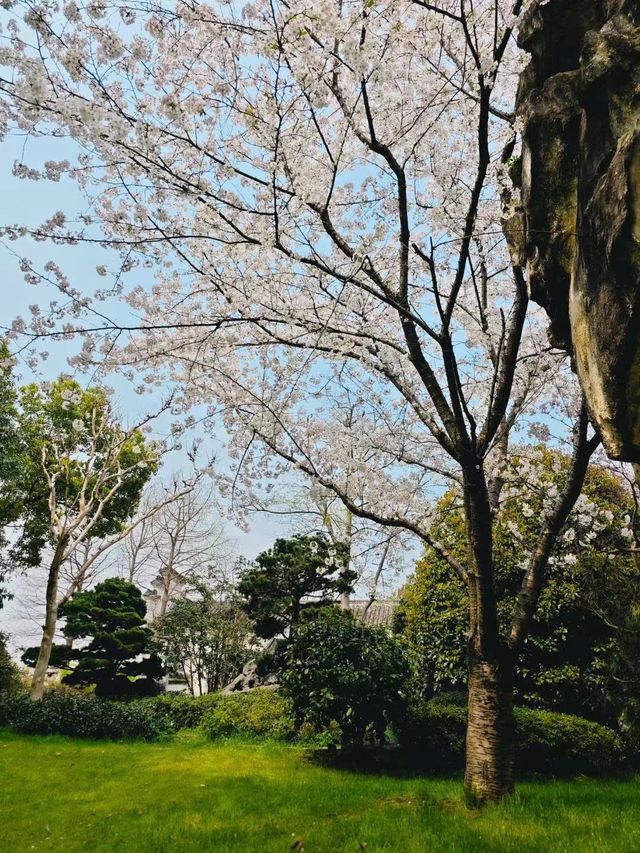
(250, 679)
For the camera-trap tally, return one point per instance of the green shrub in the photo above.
(261, 713)
(179, 711)
(437, 733)
(457, 698)
(81, 715)
(561, 744)
(257, 713)
(338, 670)
(546, 742)
(9, 674)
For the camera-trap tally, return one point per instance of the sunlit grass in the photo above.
(66, 795)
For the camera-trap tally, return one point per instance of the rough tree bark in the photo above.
(579, 101)
(490, 726)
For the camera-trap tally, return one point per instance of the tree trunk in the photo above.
(164, 602)
(490, 728)
(49, 627)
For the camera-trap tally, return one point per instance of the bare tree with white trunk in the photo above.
(181, 541)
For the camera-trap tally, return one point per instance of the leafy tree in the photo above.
(9, 675)
(624, 672)
(294, 575)
(340, 670)
(120, 660)
(570, 659)
(90, 473)
(207, 638)
(13, 483)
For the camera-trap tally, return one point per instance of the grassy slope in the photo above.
(65, 795)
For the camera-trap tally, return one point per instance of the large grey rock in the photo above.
(579, 101)
(249, 679)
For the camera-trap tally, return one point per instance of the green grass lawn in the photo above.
(70, 795)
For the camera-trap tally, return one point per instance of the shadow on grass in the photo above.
(401, 763)
(392, 761)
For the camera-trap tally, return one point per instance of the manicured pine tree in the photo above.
(294, 575)
(119, 659)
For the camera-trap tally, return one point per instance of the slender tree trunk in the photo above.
(345, 598)
(490, 728)
(50, 620)
(164, 602)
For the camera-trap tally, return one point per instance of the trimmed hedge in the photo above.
(70, 712)
(546, 742)
(179, 711)
(561, 744)
(259, 713)
(78, 715)
(433, 733)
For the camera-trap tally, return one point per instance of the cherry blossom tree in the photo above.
(327, 193)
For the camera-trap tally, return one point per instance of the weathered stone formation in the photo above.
(251, 679)
(579, 101)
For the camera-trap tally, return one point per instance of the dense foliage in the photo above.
(295, 575)
(338, 670)
(207, 639)
(432, 733)
(80, 714)
(573, 660)
(258, 713)
(120, 659)
(180, 711)
(66, 712)
(87, 470)
(546, 742)
(9, 675)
